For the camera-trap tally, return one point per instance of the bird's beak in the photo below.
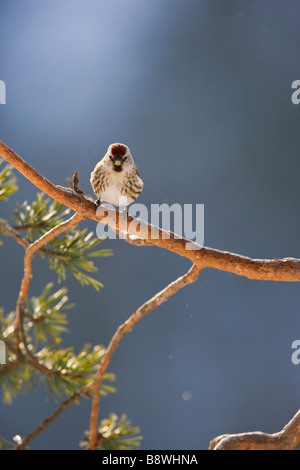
(118, 162)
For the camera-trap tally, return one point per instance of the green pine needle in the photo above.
(77, 370)
(39, 217)
(116, 433)
(45, 315)
(71, 251)
(8, 182)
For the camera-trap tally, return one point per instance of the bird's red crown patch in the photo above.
(118, 150)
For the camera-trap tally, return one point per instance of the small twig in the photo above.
(123, 329)
(75, 183)
(12, 232)
(23, 228)
(286, 439)
(10, 365)
(50, 419)
(23, 241)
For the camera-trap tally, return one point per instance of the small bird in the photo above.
(115, 179)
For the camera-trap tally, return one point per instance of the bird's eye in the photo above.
(125, 158)
(111, 157)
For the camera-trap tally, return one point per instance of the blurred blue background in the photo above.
(200, 90)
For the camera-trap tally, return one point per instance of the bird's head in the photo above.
(119, 156)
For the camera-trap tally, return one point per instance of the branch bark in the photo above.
(286, 269)
(286, 439)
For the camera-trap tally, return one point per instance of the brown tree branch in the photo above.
(123, 329)
(286, 269)
(29, 253)
(286, 439)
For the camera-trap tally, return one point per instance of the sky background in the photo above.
(200, 90)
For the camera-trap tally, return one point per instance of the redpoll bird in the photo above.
(115, 178)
